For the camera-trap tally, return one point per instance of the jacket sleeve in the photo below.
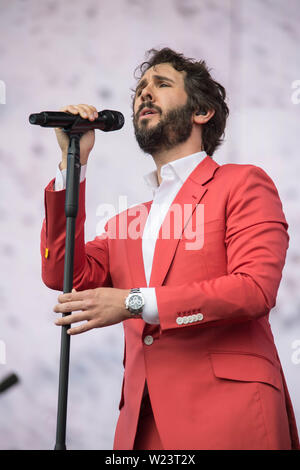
(256, 241)
(91, 260)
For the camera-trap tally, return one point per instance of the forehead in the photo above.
(164, 70)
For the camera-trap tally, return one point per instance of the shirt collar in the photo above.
(180, 169)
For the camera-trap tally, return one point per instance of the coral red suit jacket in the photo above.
(215, 381)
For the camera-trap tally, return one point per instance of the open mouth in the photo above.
(147, 112)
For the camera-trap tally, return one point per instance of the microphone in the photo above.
(106, 121)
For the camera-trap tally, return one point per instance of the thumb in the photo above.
(74, 290)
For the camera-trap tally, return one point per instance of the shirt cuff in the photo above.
(150, 311)
(61, 177)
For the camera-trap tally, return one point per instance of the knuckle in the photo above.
(66, 307)
(86, 293)
(88, 303)
(81, 328)
(66, 107)
(63, 298)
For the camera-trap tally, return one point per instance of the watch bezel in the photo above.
(127, 302)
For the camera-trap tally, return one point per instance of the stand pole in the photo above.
(71, 209)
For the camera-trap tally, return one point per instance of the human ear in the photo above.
(201, 116)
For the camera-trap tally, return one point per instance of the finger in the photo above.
(69, 109)
(69, 319)
(90, 109)
(95, 111)
(67, 307)
(81, 295)
(82, 328)
(85, 111)
(70, 296)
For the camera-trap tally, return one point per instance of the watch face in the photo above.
(136, 302)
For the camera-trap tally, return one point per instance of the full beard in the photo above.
(173, 129)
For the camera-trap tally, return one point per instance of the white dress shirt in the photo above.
(173, 175)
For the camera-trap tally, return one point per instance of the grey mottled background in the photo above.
(54, 53)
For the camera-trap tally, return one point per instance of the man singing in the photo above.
(201, 367)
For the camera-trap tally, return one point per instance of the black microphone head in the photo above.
(114, 120)
(119, 120)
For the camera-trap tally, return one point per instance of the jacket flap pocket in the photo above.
(245, 367)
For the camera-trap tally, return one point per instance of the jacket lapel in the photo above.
(191, 192)
(134, 245)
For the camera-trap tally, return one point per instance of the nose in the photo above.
(147, 93)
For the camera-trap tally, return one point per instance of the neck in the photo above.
(184, 149)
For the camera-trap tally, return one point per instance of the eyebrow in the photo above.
(159, 78)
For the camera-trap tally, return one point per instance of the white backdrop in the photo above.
(54, 53)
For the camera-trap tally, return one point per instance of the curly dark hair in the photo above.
(203, 92)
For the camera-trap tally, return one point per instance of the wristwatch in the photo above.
(135, 302)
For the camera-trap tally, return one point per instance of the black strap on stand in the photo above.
(71, 210)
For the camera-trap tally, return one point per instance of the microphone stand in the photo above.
(71, 210)
(108, 121)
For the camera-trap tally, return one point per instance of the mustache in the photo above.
(148, 105)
